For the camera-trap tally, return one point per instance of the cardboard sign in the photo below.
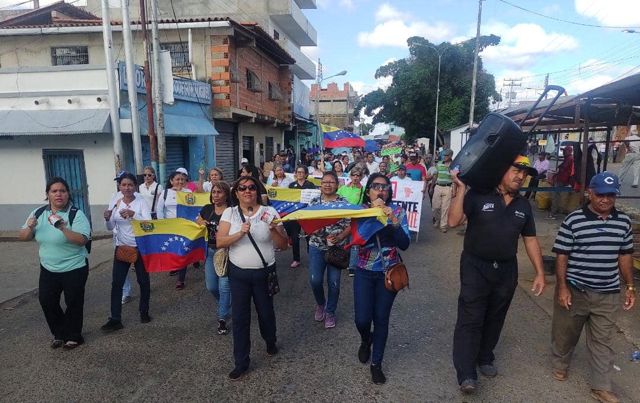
(408, 194)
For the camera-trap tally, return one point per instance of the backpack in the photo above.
(72, 215)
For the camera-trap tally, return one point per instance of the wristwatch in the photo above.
(631, 287)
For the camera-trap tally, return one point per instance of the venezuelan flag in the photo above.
(190, 204)
(286, 200)
(169, 244)
(334, 137)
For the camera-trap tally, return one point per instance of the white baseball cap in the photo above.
(183, 171)
(244, 161)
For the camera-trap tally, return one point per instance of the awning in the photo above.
(182, 119)
(54, 122)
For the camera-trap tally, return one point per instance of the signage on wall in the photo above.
(185, 89)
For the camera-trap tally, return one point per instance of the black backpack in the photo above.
(72, 214)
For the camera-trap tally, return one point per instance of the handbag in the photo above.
(128, 254)
(396, 277)
(273, 286)
(220, 261)
(337, 257)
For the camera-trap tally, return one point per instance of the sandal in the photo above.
(70, 345)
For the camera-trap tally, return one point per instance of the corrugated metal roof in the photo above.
(54, 122)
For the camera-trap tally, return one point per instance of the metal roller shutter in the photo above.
(176, 154)
(227, 149)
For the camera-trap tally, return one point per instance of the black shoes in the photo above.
(488, 370)
(111, 326)
(272, 349)
(364, 352)
(237, 373)
(222, 327)
(377, 376)
(145, 318)
(469, 386)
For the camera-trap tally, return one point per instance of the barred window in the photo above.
(274, 92)
(67, 55)
(179, 52)
(253, 82)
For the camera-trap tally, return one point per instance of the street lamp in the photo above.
(319, 81)
(435, 126)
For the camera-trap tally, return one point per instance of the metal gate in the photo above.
(176, 153)
(69, 165)
(227, 149)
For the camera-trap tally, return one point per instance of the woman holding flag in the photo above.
(250, 234)
(127, 208)
(372, 300)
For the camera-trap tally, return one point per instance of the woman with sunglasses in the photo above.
(168, 208)
(319, 242)
(372, 301)
(220, 198)
(150, 190)
(292, 227)
(247, 274)
(353, 191)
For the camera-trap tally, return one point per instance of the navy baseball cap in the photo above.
(604, 183)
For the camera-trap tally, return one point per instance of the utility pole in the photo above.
(131, 87)
(511, 82)
(157, 93)
(111, 84)
(546, 84)
(153, 141)
(475, 67)
(317, 106)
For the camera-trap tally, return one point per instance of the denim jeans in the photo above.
(372, 303)
(317, 267)
(217, 286)
(120, 271)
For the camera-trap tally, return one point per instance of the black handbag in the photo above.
(273, 286)
(337, 257)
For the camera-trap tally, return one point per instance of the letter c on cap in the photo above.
(608, 180)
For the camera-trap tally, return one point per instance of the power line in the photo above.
(565, 21)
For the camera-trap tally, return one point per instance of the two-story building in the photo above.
(336, 105)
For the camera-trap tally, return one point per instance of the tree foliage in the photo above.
(410, 100)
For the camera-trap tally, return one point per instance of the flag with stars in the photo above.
(189, 204)
(334, 137)
(169, 244)
(286, 200)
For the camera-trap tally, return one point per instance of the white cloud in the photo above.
(396, 32)
(363, 88)
(611, 12)
(387, 12)
(522, 44)
(348, 4)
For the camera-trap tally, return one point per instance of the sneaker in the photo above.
(604, 396)
(469, 386)
(294, 264)
(272, 349)
(634, 186)
(488, 370)
(237, 373)
(180, 285)
(222, 327)
(71, 344)
(145, 318)
(111, 326)
(126, 299)
(364, 352)
(319, 314)
(377, 376)
(329, 321)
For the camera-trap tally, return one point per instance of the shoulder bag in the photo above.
(337, 257)
(273, 287)
(396, 277)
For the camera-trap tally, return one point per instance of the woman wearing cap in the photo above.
(127, 208)
(63, 262)
(372, 300)
(168, 208)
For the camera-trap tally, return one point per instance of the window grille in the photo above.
(67, 55)
(253, 82)
(179, 52)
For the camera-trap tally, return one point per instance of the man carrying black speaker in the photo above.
(489, 267)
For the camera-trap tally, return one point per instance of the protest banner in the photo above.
(408, 194)
(391, 151)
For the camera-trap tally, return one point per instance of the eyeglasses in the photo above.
(358, 175)
(251, 188)
(381, 187)
(327, 183)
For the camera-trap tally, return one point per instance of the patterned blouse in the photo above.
(319, 238)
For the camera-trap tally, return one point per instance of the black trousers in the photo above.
(119, 275)
(293, 230)
(247, 284)
(64, 325)
(486, 292)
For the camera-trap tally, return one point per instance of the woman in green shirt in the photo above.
(63, 262)
(353, 191)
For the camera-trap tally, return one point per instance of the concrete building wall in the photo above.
(259, 134)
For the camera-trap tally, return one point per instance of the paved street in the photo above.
(178, 356)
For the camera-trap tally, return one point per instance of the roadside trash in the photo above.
(617, 368)
(635, 356)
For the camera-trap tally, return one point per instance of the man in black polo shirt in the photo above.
(593, 247)
(489, 267)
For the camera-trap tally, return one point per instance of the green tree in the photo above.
(410, 100)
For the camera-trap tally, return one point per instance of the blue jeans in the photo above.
(317, 267)
(372, 303)
(217, 286)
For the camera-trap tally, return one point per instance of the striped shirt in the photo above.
(594, 245)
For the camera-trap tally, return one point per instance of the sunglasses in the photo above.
(381, 187)
(242, 188)
(147, 174)
(358, 175)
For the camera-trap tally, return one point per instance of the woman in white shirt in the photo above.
(168, 208)
(247, 271)
(127, 208)
(150, 190)
(215, 175)
(279, 178)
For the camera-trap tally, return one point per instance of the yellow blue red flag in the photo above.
(190, 204)
(286, 200)
(169, 244)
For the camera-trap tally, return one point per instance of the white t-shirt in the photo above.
(206, 186)
(169, 208)
(400, 182)
(242, 253)
(634, 144)
(121, 227)
(147, 193)
(373, 167)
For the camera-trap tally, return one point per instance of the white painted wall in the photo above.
(259, 134)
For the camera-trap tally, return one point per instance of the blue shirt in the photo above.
(57, 253)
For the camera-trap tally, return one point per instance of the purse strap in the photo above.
(155, 197)
(253, 242)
